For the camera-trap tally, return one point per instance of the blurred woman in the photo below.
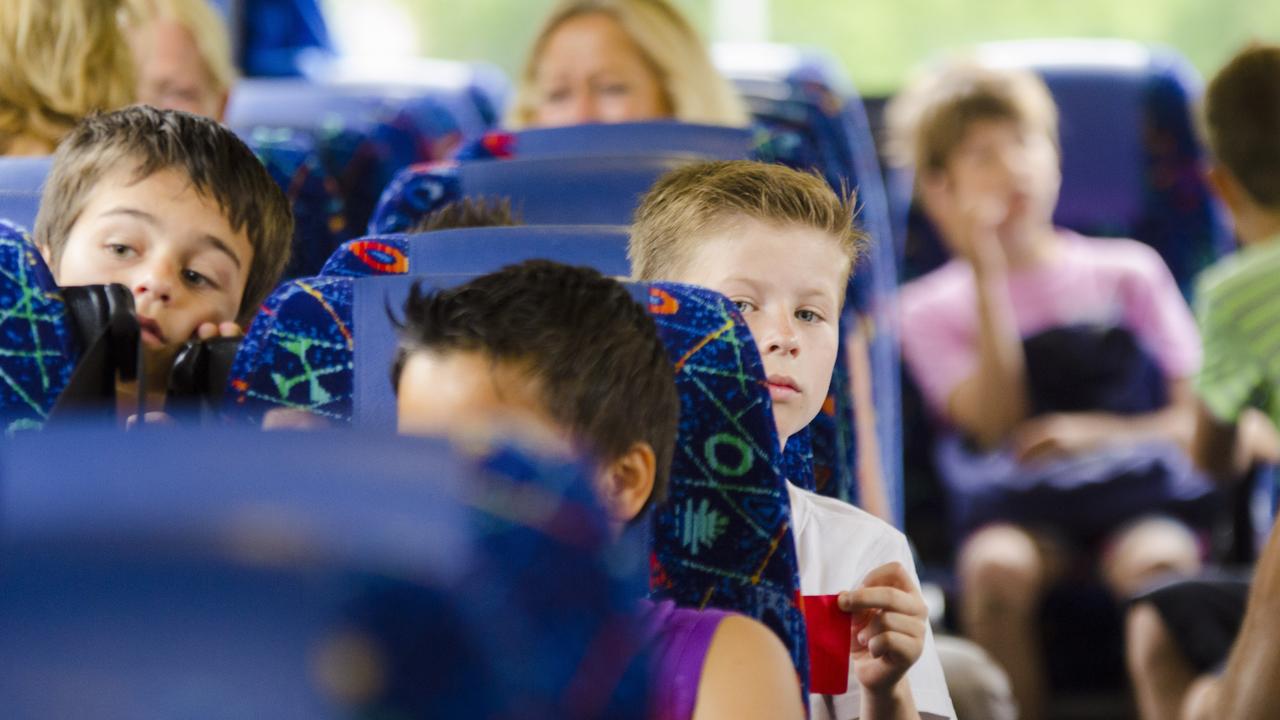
(183, 52)
(63, 59)
(610, 61)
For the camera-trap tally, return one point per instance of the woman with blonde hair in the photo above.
(621, 61)
(183, 54)
(63, 59)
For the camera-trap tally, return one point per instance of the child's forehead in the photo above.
(764, 246)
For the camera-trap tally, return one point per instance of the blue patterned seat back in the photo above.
(361, 137)
(1132, 164)
(211, 573)
(601, 190)
(38, 349)
(484, 249)
(297, 353)
(291, 158)
(723, 537)
(818, 122)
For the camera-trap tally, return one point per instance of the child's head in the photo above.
(469, 213)
(1242, 122)
(621, 61)
(777, 242)
(183, 54)
(563, 347)
(979, 135)
(62, 60)
(173, 206)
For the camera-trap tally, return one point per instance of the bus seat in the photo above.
(24, 174)
(480, 250)
(641, 138)
(214, 573)
(542, 190)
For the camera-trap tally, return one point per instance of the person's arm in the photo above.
(747, 674)
(1249, 689)
(1066, 434)
(1227, 451)
(991, 402)
(890, 619)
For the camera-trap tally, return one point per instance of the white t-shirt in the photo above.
(837, 544)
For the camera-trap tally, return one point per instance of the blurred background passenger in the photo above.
(62, 60)
(183, 53)
(611, 61)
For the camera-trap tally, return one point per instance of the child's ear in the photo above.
(627, 482)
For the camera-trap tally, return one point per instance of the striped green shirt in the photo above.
(1238, 309)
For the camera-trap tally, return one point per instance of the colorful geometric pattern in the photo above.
(38, 350)
(371, 255)
(723, 537)
(416, 192)
(298, 353)
(314, 196)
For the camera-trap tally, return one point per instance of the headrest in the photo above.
(472, 251)
(705, 141)
(542, 190)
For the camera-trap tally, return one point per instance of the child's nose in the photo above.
(155, 282)
(780, 337)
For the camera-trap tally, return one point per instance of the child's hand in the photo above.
(980, 218)
(889, 624)
(209, 331)
(1058, 435)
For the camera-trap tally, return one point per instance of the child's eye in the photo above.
(556, 95)
(615, 89)
(744, 306)
(195, 279)
(119, 250)
(809, 316)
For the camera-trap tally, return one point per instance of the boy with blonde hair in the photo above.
(781, 245)
(178, 210)
(984, 146)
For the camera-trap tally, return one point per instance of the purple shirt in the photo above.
(678, 642)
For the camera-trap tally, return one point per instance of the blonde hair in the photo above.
(62, 60)
(688, 203)
(696, 91)
(928, 119)
(206, 26)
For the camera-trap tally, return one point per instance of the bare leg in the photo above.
(1161, 677)
(1003, 575)
(1147, 551)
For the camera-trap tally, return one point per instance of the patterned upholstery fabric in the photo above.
(37, 347)
(723, 536)
(370, 255)
(298, 353)
(473, 582)
(319, 222)
(415, 192)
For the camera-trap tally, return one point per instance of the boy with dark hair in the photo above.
(469, 213)
(781, 245)
(177, 209)
(506, 350)
(1185, 630)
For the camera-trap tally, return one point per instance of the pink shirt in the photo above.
(1092, 281)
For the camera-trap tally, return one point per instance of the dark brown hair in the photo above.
(218, 164)
(610, 394)
(1242, 121)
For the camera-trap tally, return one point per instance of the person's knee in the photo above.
(1001, 568)
(1147, 638)
(1147, 552)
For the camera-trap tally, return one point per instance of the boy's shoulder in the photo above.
(1243, 270)
(845, 524)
